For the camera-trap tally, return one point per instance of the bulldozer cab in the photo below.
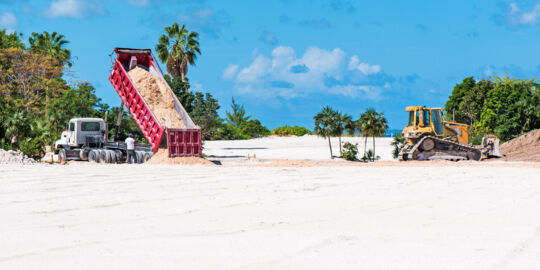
(428, 119)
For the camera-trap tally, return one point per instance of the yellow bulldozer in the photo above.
(429, 137)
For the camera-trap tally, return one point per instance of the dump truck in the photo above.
(429, 137)
(90, 142)
(85, 139)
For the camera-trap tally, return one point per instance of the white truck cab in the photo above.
(82, 131)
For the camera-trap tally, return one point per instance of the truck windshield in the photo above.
(90, 126)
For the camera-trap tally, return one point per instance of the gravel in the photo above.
(14, 157)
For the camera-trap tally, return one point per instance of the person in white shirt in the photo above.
(130, 145)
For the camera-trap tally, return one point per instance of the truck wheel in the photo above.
(83, 155)
(112, 156)
(93, 156)
(146, 157)
(138, 157)
(104, 156)
(118, 154)
(62, 155)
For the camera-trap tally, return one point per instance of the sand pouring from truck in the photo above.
(429, 137)
(138, 80)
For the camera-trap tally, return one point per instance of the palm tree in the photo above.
(343, 122)
(398, 143)
(380, 125)
(365, 124)
(325, 124)
(51, 45)
(16, 126)
(238, 115)
(178, 48)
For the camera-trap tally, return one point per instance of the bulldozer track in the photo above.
(411, 152)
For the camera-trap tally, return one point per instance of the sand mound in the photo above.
(523, 148)
(162, 157)
(15, 157)
(158, 97)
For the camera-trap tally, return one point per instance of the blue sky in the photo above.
(286, 59)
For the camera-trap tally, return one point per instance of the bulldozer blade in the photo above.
(491, 144)
(494, 151)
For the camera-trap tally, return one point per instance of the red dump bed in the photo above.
(180, 142)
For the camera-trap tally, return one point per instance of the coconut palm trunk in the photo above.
(340, 151)
(330, 145)
(365, 144)
(373, 158)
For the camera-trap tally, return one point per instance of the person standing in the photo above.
(130, 145)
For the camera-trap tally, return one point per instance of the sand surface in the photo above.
(231, 217)
(523, 148)
(307, 147)
(162, 157)
(157, 96)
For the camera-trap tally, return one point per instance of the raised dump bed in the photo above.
(180, 142)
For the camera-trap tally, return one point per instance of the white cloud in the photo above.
(8, 21)
(230, 72)
(518, 17)
(73, 9)
(286, 75)
(139, 3)
(365, 68)
(258, 68)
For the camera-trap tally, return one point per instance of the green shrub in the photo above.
(398, 143)
(290, 131)
(254, 129)
(32, 147)
(350, 151)
(369, 156)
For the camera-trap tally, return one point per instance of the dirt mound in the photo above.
(523, 148)
(158, 97)
(162, 157)
(15, 157)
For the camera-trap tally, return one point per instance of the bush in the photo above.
(369, 156)
(254, 129)
(290, 131)
(398, 143)
(32, 147)
(229, 132)
(350, 151)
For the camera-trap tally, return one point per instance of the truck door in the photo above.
(71, 133)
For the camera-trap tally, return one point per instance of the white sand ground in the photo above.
(306, 147)
(83, 216)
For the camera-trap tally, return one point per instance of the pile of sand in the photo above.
(158, 97)
(162, 157)
(15, 157)
(523, 148)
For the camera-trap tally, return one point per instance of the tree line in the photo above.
(36, 100)
(506, 107)
(331, 123)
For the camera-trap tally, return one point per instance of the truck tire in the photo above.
(104, 156)
(83, 154)
(138, 157)
(62, 155)
(112, 156)
(119, 155)
(147, 157)
(93, 156)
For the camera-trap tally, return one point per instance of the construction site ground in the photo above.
(305, 212)
(254, 217)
